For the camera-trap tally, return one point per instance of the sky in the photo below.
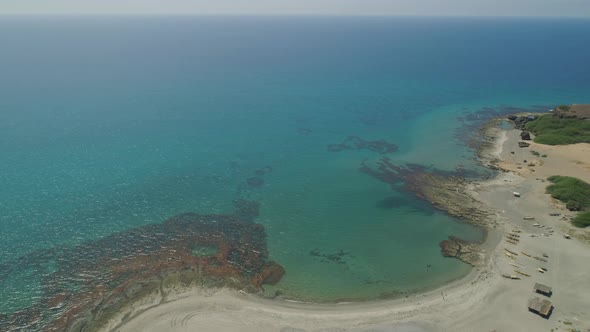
(302, 7)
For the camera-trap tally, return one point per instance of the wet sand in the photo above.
(482, 301)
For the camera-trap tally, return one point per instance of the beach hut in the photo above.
(542, 289)
(541, 307)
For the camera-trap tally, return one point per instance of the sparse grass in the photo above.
(552, 130)
(535, 153)
(575, 193)
(544, 155)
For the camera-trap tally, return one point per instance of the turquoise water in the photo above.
(113, 123)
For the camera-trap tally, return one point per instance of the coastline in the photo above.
(480, 301)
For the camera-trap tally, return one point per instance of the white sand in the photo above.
(483, 301)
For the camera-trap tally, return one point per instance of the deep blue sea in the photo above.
(107, 124)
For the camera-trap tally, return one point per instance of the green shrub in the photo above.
(582, 219)
(575, 193)
(535, 153)
(573, 206)
(568, 189)
(552, 130)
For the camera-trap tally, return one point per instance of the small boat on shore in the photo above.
(510, 251)
(540, 259)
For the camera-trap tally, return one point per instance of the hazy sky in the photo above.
(307, 7)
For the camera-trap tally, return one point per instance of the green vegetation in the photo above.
(568, 189)
(582, 219)
(564, 107)
(553, 130)
(544, 156)
(535, 153)
(575, 194)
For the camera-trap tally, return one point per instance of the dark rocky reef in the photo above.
(336, 257)
(357, 143)
(392, 202)
(445, 190)
(246, 210)
(258, 179)
(467, 252)
(98, 281)
(263, 171)
(255, 182)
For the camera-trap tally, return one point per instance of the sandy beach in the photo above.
(482, 301)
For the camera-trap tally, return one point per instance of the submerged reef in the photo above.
(336, 257)
(258, 179)
(247, 210)
(446, 191)
(357, 143)
(467, 252)
(108, 280)
(255, 182)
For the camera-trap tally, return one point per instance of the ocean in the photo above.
(108, 124)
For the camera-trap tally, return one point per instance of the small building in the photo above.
(541, 307)
(542, 289)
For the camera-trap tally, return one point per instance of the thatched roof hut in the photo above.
(542, 289)
(541, 307)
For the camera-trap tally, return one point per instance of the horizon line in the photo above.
(279, 15)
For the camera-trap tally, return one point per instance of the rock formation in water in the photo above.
(255, 182)
(336, 257)
(247, 210)
(357, 143)
(446, 191)
(467, 252)
(258, 179)
(108, 280)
